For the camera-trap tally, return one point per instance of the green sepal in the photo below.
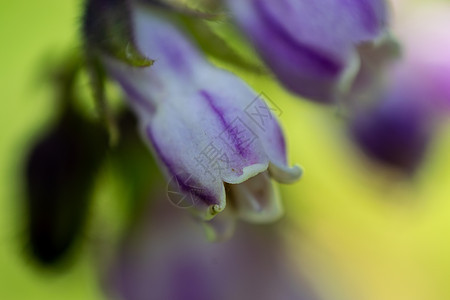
(97, 77)
(214, 45)
(199, 24)
(107, 26)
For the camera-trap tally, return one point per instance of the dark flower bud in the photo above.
(60, 171)
(396, 132)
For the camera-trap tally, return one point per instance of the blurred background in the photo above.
(356, 230)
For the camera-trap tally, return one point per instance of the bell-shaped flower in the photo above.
(213, 136)
(311, 46)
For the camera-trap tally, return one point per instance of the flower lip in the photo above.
(284, 174)
(247, 173)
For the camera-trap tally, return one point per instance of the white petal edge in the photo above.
(285, 175)
(247, 173)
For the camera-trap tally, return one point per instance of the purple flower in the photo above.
(311, 46)
(167, 257)
(397, 129)
(214, 136)
(395, 132)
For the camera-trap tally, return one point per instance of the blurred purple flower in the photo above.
(397, 129)
(206, 127)
(311, 46)
(167, 257)
(396, 132)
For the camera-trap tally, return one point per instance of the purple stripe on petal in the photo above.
(321, 60)
(209, 99)
(228, 127)
(175, 56)
(185, 181)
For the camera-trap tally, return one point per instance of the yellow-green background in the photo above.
(32, 34)
(360, 232)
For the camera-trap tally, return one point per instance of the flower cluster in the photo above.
(218, 141)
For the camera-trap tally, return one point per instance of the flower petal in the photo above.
(284, 174)
(254, 119)
(257, 199)
(203, 187)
